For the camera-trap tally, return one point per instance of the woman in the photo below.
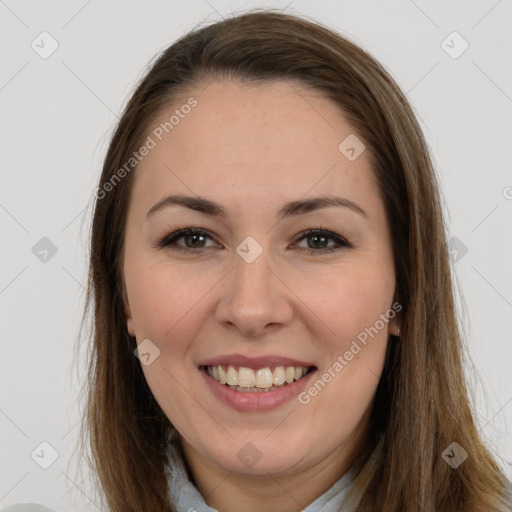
(274, 325)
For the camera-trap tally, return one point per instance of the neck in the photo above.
(231, 492)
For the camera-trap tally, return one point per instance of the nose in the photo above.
(255, 300)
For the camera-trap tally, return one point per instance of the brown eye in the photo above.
(320, 239)
(194, 239)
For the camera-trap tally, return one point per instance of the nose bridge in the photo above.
(251, 286)
(254, 297)
(251, 270)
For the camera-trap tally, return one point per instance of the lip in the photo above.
(255, 363)
(256, 401)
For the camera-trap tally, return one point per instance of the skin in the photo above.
(252, 149)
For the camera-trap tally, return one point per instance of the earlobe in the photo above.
(394, 326)
(395, 320)
(127, 311)
(129, 319)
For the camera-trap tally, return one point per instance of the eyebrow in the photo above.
(293, 208)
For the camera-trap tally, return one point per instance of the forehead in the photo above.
(280, 139)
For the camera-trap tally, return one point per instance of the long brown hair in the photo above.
(422, 403)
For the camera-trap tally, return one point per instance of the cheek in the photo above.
(168, 307)
(164, 300)
(345, 301)
(355, 345)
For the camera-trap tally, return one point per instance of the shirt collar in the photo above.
(185, 496)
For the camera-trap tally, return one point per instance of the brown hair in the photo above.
(421, 404)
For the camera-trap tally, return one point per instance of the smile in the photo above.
(245, 379)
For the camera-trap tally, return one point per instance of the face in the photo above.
(250, 287)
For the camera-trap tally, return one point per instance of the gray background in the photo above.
(58, 114)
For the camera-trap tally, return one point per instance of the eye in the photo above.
(320, 237)
(195, 238)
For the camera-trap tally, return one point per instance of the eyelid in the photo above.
(176, 234)
(321, 232)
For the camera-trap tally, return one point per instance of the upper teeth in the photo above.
(262, 378)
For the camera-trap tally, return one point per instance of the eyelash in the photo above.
(171, 239)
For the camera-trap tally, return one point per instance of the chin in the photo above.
(255, 459)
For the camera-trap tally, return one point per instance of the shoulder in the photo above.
(28, 507)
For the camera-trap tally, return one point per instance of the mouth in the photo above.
(256, 380)
(255, 384)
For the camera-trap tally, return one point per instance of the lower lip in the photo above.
(256, 401)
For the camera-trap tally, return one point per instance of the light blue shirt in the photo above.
(185, 496)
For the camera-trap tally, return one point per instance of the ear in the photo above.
(127, 312)
(129, 319)
(393, 325)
